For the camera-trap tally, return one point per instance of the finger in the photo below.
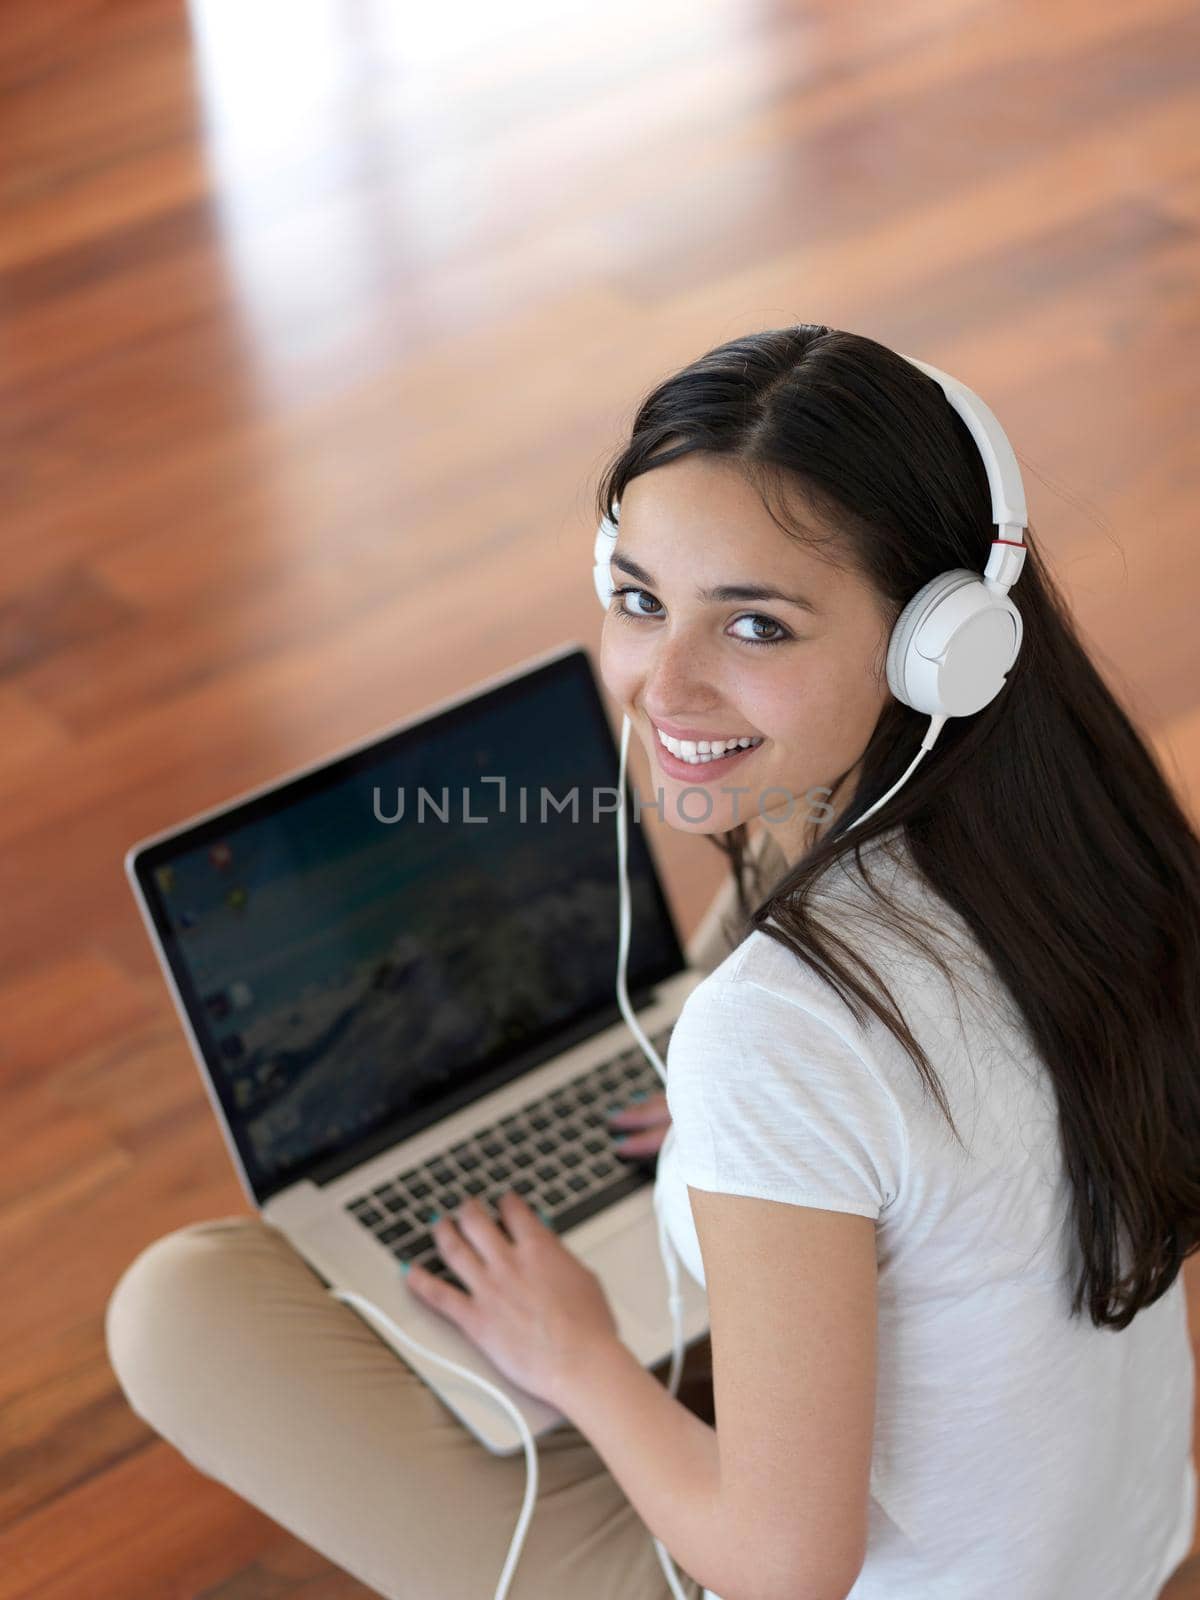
(454, 1304)
(519, 1217)
(644, 1143)
(469, 1236)
(642, 1114)
(455, 1248)
(627, 1122)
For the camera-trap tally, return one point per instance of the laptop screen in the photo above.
(383, 939)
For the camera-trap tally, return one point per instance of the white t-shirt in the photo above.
(1019, 1454)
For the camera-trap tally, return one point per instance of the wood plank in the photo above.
(305, 381)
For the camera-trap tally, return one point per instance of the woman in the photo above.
(933, 1115)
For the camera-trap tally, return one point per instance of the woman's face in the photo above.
(689, 665)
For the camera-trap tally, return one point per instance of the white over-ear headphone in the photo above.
(960, 634)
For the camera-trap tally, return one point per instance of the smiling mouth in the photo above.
(700, 753)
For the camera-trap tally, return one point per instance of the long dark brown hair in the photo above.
(1044, 820)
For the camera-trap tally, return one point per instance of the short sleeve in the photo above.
(769, 1100)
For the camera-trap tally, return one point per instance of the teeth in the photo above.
(698, 752)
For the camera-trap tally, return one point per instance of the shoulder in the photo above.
(775, 1091)
(759, 968)
(765, 1013)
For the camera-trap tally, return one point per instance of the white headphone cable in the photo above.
(517, 1542)
(936, 724)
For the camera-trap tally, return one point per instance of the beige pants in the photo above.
(230, 1346)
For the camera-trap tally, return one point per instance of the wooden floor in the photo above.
(317, 323)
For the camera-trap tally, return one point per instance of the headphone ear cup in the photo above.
(952, 646)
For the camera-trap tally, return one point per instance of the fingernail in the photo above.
(404, 1266)
(622, 1138)
(640, 1095)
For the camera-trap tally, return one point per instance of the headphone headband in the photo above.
(1004, 474)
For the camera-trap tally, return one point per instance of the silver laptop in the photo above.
(396, 970)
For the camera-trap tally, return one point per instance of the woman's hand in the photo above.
(533, 1307)
(645, 1124)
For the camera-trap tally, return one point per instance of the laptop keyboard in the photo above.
(556, 1151)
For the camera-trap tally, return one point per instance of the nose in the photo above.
(677, 682)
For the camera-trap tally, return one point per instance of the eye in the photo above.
(755, 618)
(623, 610)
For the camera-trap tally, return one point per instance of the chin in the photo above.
(683, 805)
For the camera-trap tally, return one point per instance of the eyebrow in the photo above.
(723, 591)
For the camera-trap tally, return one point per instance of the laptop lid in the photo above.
(362, 947)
